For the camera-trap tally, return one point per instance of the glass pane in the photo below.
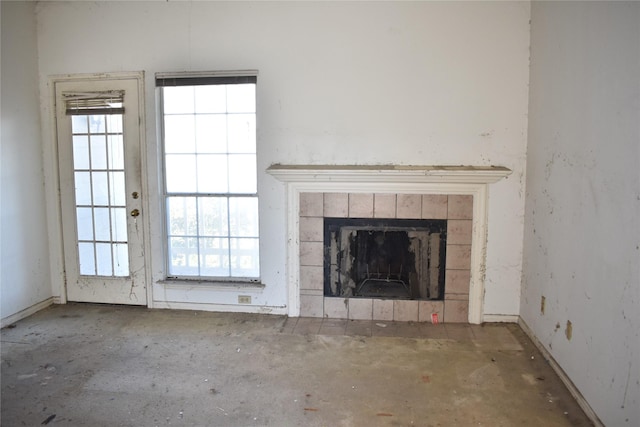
(118, 194)
(80, 152)
(79, 124)
(87, 259)
(242, 133)
(181, 173)
(85, 223)
(116, 152)
(103, 258)
(120, 259)
(211, 133)
(83, 188)
(211, 99)
(243, 216)
(114, 123)
(98, 152)
(214, 254)
(241, 98)
(182, 220)
(119, 224)
(179, 134)
(97, 124)
(100, 188)
(213, 216)
(242, 173)
(210, 145)
(244, 258)
(178, 100)
(212, 173)
(182, 252)
(103, 224)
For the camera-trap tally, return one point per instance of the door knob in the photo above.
(135, 213)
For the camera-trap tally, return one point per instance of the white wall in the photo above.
(24, 256)
(345, 82)
(582, 232)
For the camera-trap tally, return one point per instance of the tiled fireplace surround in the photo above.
(456, 193)
(456, 209)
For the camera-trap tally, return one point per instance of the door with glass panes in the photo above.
(98, 130)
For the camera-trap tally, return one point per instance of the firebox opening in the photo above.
(384, 258)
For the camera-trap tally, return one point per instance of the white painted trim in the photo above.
(501, 318)
(467, 180)
(223, 308)
(144, 183)
(389, 173)
(52, 187)
(573, 390)
(26, 312)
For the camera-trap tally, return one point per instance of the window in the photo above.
(210, 182)
(98, 168)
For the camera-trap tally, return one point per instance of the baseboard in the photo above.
(500, 318)
(582, 402)
(9, 320)
(226, 308)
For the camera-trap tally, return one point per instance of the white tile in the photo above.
(336, 205)
(384, 205)
(382, 309)
(360, 308)
(311, 305)
(311, 204)
(458, 257)
(311, 229)
(405, 311)
(360, 205)
(434, 206)
(311, 277)
(457, 281)
(459, 231)
(456, 311)
(427, 308)
(311, 253)
(460, 207)
(336, 308)
(409, 206)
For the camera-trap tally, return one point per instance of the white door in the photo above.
(98, 129)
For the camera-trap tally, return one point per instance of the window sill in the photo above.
(222, 285)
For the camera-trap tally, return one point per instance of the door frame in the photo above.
(56, 241)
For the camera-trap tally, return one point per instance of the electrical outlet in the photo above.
(244, 299)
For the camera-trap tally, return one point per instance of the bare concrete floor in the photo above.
(94, 365)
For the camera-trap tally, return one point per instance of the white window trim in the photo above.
(180, 282)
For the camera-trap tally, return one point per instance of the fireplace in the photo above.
(457, 194)
(384, 258)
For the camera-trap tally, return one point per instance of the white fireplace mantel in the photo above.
(471, 180)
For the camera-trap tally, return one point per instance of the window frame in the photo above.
(163, 80)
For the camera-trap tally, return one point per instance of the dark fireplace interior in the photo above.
(384, 258)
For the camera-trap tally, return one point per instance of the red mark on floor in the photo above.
(426, 379)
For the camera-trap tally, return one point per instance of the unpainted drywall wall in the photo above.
(24, 257)
(339, 83)
(582, 233)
